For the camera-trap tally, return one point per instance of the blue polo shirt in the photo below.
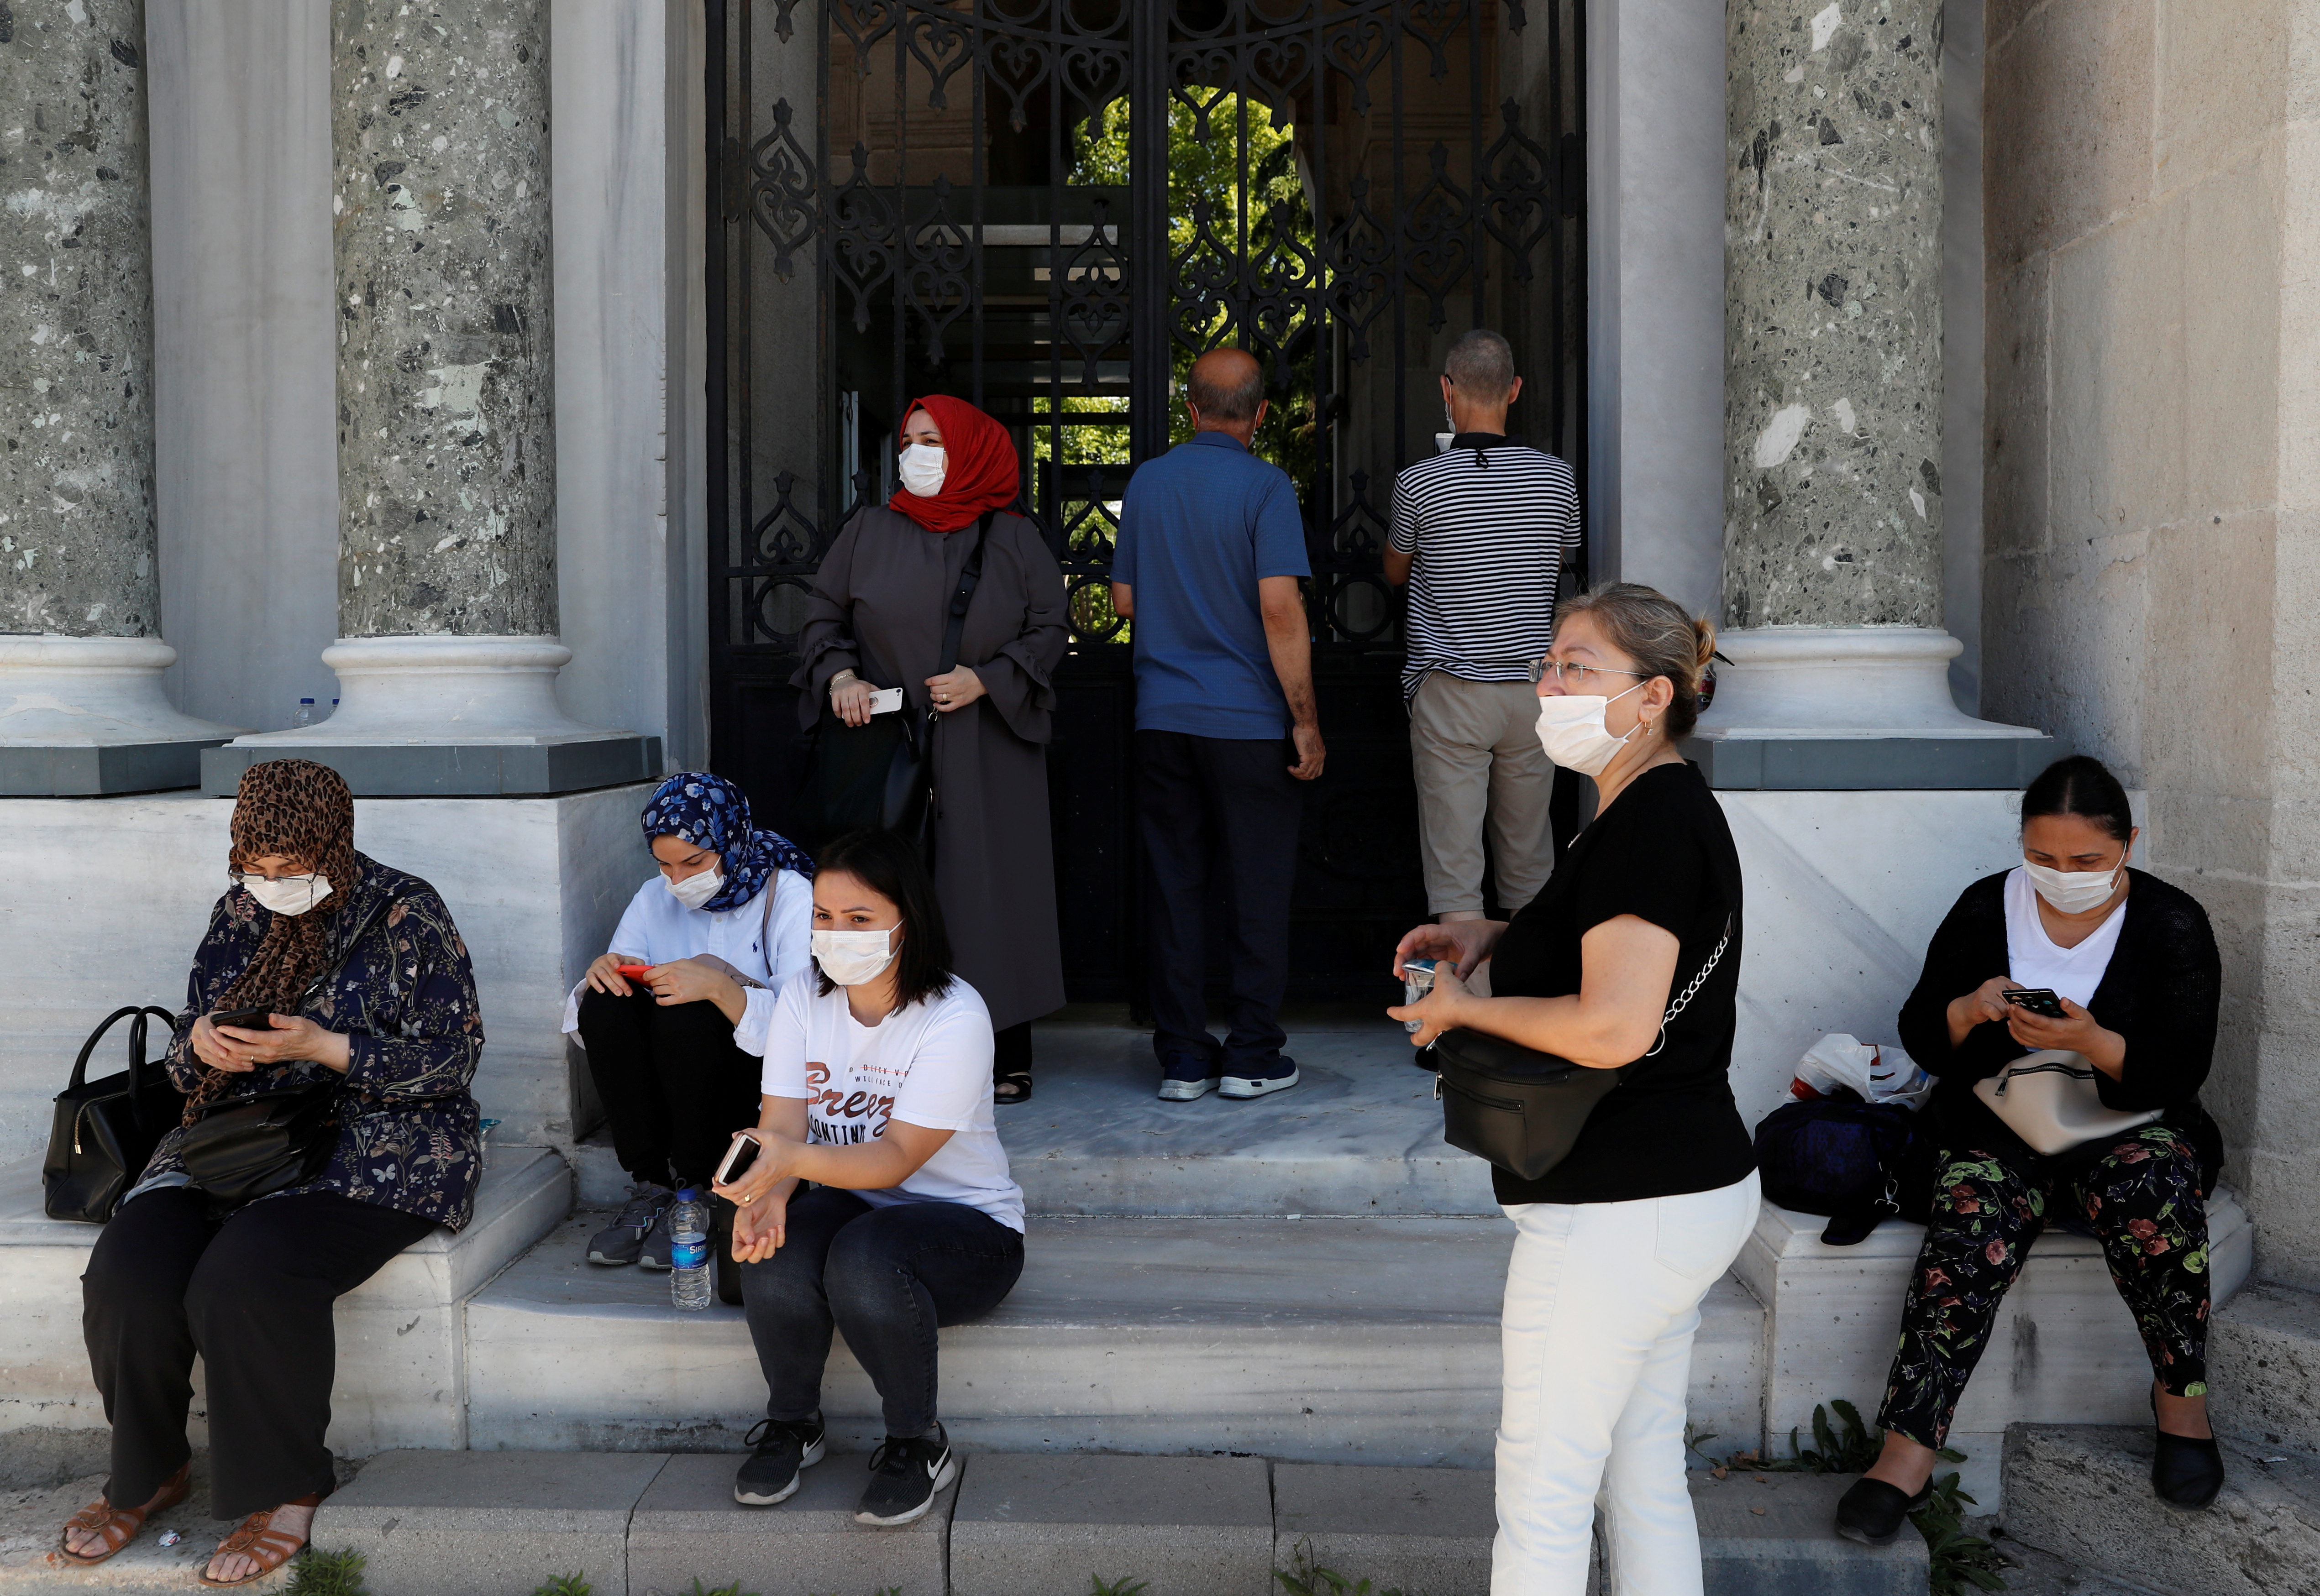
(1199, 526)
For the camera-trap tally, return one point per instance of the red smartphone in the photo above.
(633, 971)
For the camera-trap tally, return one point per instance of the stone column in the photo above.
(81, 656)
(447, 652)
(1833, 408)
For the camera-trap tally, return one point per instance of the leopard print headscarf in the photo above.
(301, 811)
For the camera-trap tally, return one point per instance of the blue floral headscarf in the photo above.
(709, 812)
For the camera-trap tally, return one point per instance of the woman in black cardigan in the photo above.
(2141, 955)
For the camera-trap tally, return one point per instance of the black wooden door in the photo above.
(1049, 208)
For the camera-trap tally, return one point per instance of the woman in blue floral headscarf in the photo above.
(675, 1044)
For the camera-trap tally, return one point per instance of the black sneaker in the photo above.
(653, 1252)
(1185, 1076)
(904, 1476)
(621, 1241)
(782, 1449)
(1873, 1513)
(1275, 1074)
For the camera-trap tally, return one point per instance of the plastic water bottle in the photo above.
(306, 715)
(689, 1285)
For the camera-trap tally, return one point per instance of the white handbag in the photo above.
(2049, 1100)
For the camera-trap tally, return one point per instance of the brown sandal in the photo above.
(118, 1526)
(261, 1542)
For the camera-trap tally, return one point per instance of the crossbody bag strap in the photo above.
(969, 577)
(1692, 990)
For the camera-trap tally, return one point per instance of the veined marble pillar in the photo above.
(81, 706)
(446, 654)
(1833, 410)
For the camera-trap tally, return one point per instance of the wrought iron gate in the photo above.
(1049, 207)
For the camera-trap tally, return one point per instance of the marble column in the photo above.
(81, 705)
(1833, 407)
(447, 653)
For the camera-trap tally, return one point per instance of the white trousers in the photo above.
(1602, 1302)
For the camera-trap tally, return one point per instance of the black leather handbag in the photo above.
(1523, 1109)
(880, 776)
(255, 1143)
(104, 1130)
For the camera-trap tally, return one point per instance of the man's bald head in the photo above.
(1226, 387)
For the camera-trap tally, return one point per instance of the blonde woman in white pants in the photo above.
(1617, 1245)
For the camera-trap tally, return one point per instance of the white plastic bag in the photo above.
(1875, 1073)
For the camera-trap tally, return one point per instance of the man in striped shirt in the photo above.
(1481, 533)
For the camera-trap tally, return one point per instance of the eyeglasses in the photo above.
(1573, 677)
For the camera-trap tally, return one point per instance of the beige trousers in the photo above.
(1474, 748)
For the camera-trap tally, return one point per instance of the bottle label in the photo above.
(688, 1255)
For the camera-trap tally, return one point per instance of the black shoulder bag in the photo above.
(1523, 1109)
(880, 776)
(104, 1130)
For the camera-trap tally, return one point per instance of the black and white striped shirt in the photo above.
(1490, 528)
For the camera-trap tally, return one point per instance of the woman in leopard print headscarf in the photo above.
(364, 978)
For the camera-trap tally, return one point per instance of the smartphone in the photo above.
(633, 972)
(246, 1019)
(738, 1158)
(886, 700)
(1417, 981)
(2038, 1000)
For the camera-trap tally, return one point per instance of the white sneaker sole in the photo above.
(1185, 1091)
(1241, 1087)
(813, 1454)
(942, 1481)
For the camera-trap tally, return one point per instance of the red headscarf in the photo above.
(982, 473)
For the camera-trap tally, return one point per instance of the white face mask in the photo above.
(294, 895)
(2074, 892)
(853, 958)
(923, 467)
(1571, 729)
(695, 890)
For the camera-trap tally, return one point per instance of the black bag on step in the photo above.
(1856, 1164)
(104, 1130)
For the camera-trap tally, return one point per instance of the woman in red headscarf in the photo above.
(877, 617)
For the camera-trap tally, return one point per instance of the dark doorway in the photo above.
(1049, 207)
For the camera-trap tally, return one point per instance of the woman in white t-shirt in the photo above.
(880, 1203)
(721, 927)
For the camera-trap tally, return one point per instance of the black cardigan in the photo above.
(2161, 992)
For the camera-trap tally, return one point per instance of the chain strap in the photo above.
(1691, 991)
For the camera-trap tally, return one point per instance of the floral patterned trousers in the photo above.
(2143, 1200)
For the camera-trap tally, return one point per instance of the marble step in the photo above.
(1360, 1134)
(2084, 1492)
(1333, 1340)
(2263, 1361)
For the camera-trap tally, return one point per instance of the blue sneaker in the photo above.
(1278, 1074)
(1184, 1077)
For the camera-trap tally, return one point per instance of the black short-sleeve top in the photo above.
(1663, 853)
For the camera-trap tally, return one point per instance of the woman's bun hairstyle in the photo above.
(2083, 786)
(1653, 630)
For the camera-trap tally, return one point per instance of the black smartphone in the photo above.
(246, 1019)
(2038, 1000)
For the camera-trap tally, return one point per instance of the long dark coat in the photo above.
(878, 609)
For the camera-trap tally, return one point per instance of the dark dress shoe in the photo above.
(1873, 1513)
(2186, 1471)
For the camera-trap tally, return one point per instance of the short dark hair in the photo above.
(890, 866)
(1237, 403)
(2080, 785)
(1482, 363)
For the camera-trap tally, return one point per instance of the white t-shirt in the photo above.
(2032, 959)
(928, 1064)
(769, 943)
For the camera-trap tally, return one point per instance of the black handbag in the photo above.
(881, 776)
(255, 1143)
(103, 1131)
(1523, 1109)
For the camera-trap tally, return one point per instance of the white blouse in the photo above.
(765, 939)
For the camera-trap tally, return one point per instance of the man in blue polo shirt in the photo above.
(1212, 550)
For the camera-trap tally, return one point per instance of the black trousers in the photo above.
(1218, 818)
(674, 1086)
(252, 1295)
(888, 1277)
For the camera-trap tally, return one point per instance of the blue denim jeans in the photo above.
(888, 1278)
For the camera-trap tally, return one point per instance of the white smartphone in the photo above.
(886, 700)
(735, 1165)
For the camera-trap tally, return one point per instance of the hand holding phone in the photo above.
(2038, 1000)
(245, 1019)
(633, 972)
(738, 1158)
